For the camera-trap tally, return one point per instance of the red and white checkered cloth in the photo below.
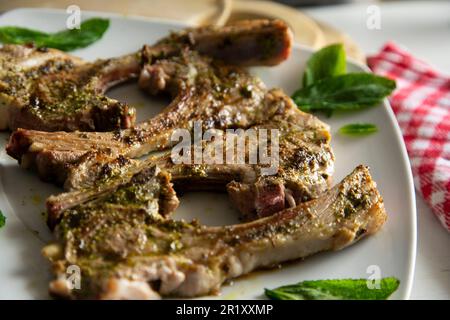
(421, 104)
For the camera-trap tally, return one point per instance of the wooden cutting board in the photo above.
(307, 31)
(190, 11)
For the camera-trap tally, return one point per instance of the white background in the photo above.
(424, 28)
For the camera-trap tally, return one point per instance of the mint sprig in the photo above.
(328, 88)
(90, 31)
(348, 92)
(341, 289)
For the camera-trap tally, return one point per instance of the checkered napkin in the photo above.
(421, 104)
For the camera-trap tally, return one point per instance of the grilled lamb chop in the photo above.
(49, 90)
(132, 251)
(301, 171)
(220, 95)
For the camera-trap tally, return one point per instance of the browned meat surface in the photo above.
(96, 175)
(247, 42)
(49, 90)
(302, 171)
(127, 247)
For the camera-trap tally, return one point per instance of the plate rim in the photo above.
(412, 243)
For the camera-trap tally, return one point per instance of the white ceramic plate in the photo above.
(24, 273)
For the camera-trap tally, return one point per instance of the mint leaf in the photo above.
(90, 31)
(327, 62)
(2, 219)
(17, 35)
(345, 289)
(358, 129)
(346, 92)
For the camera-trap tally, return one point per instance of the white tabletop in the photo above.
(424, 28)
